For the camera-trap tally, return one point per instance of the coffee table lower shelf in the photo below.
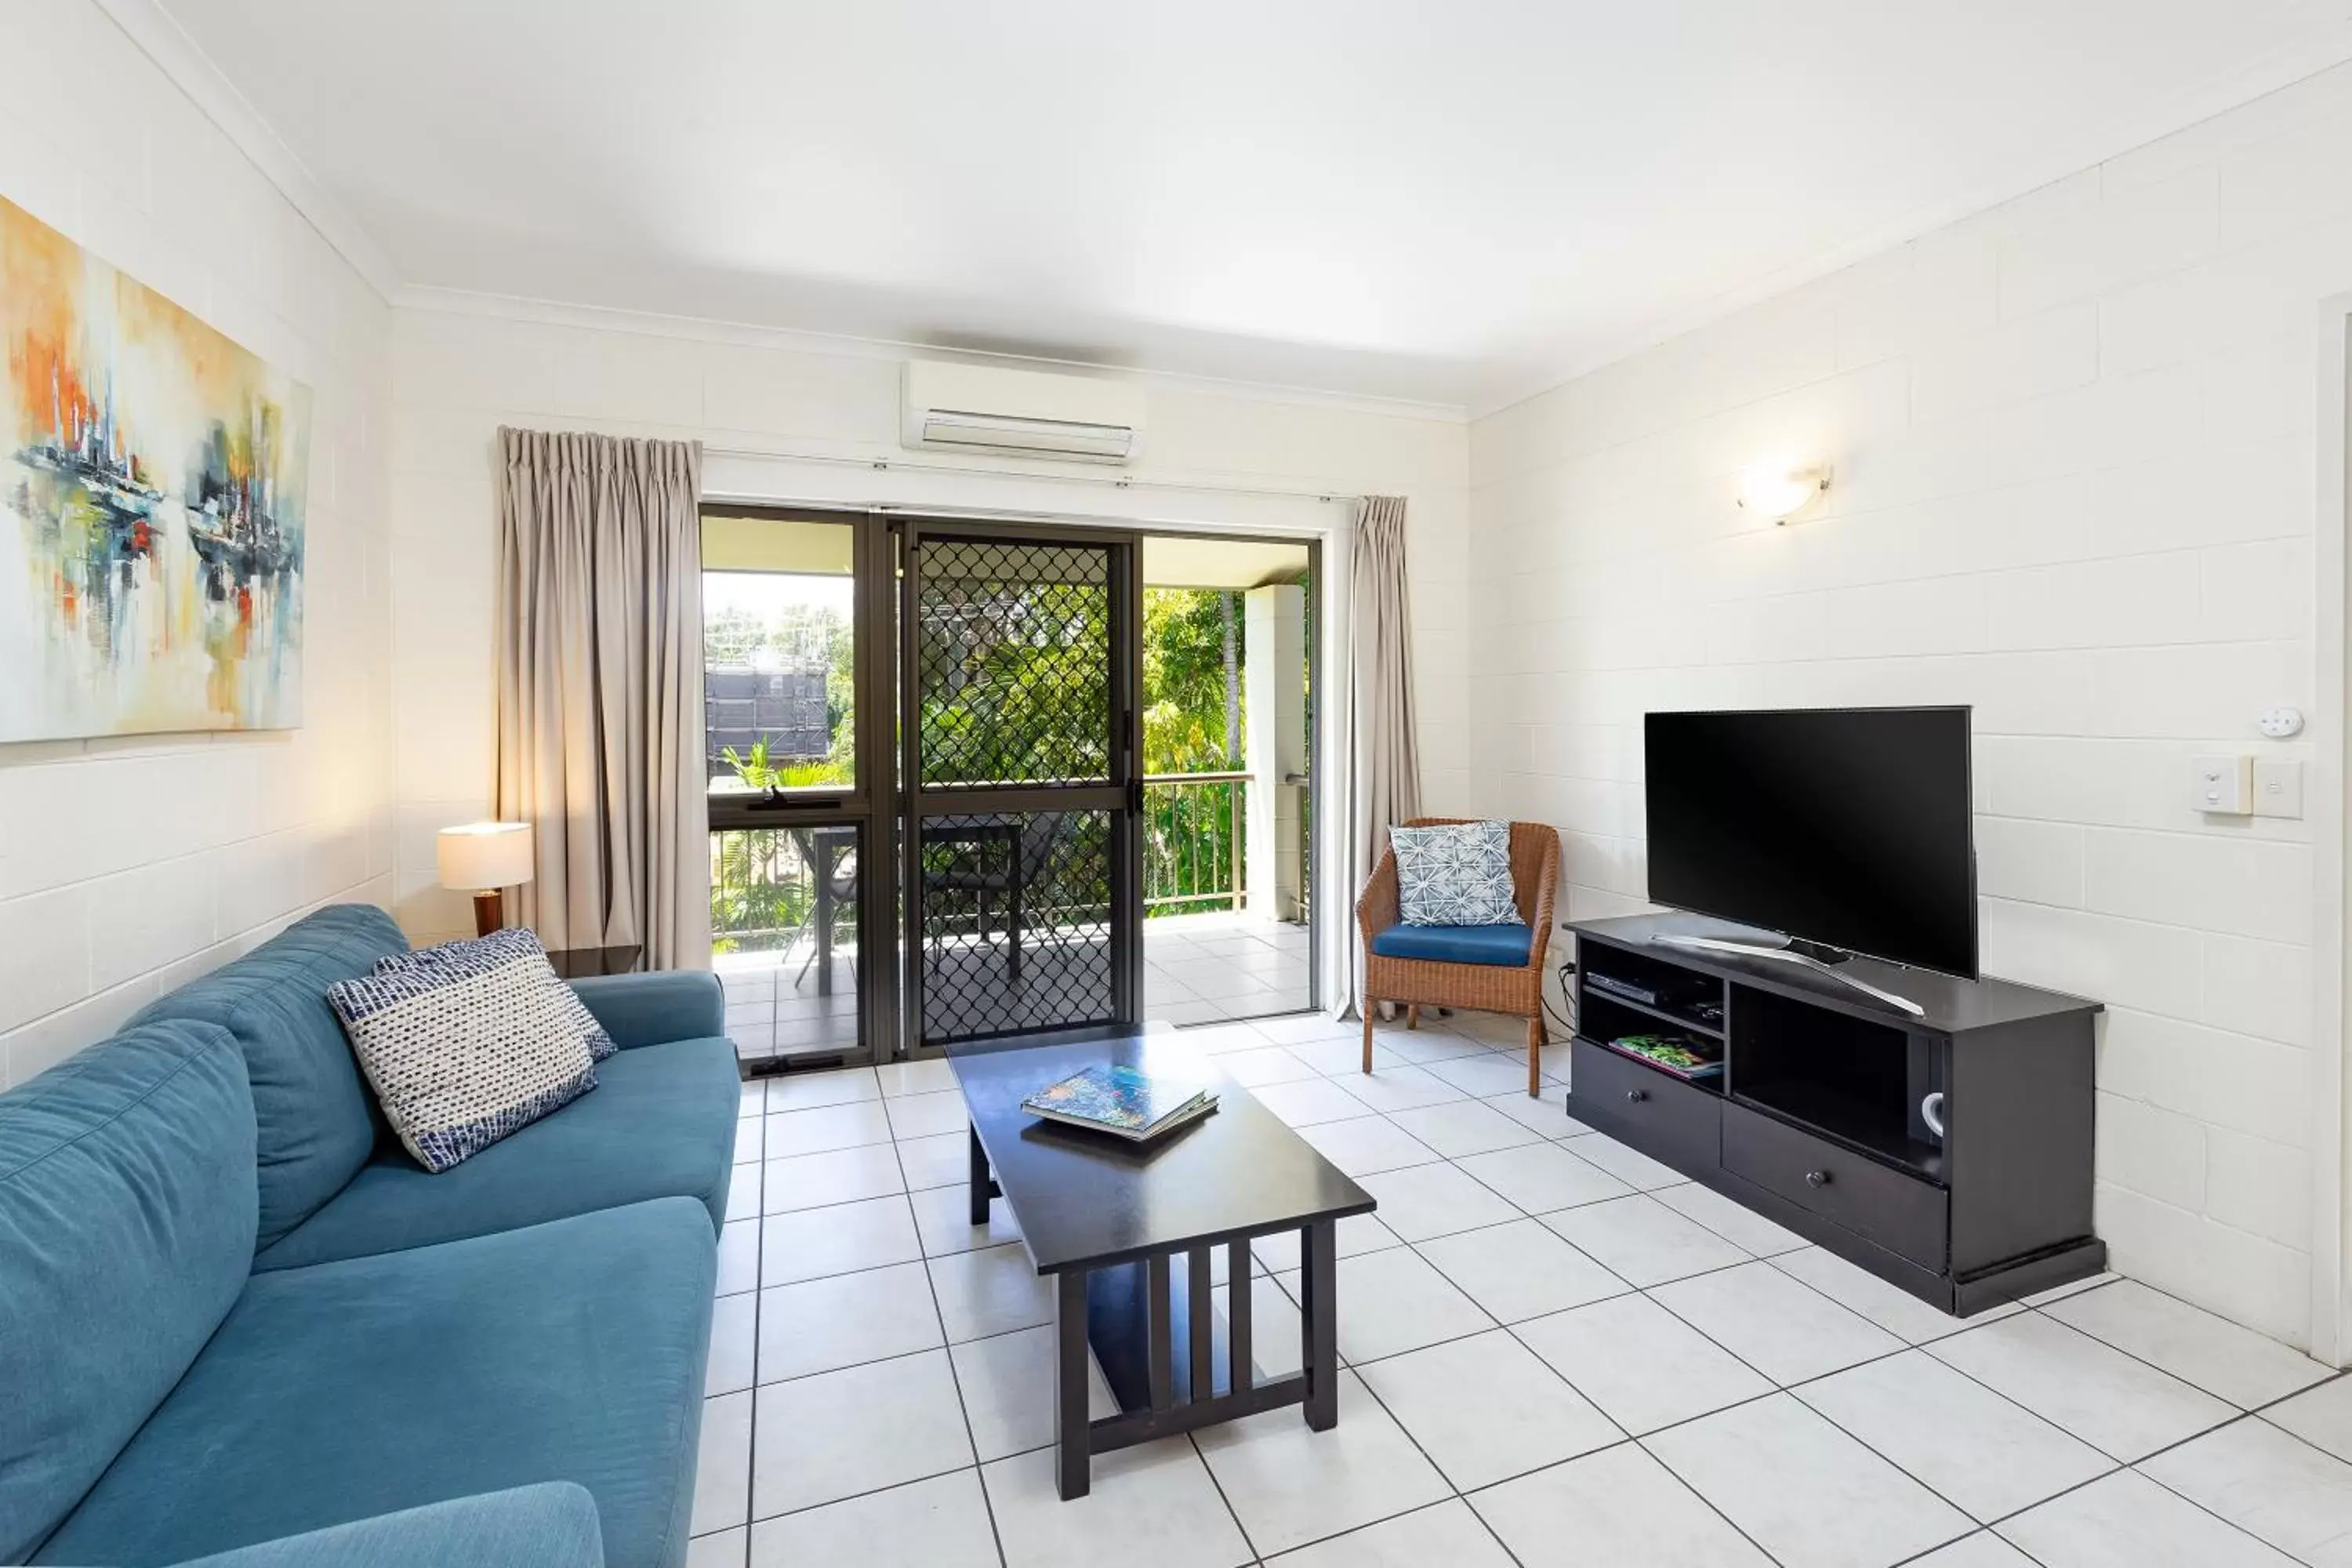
(1171, 1364)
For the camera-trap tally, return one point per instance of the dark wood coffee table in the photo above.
(1108, 1219)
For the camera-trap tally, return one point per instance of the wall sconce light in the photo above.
(1777, 492)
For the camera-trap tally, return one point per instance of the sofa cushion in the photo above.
(315, 1125)
(660, 1124)
(548, 1526)
(126, 1232)
(1498, 944)
(513, 946)
(571, 1351)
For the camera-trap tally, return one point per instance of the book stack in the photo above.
(1126, 1102)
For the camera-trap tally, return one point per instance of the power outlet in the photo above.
(2278, 788)
(2225, 785)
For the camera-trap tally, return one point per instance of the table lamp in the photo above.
(486, 856)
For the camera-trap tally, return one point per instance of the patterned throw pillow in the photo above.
(1456, 875)
(512, 946)
(465, 1048)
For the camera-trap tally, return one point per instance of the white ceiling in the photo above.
(1456, 202)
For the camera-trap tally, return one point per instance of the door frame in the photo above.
(1121, 796)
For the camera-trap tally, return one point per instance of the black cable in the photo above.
(1568, 994)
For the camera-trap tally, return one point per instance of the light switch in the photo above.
(2278, 788)
(2225, 785)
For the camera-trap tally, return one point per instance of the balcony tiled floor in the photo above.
(1198, 969)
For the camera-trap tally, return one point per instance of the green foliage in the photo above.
(758, 770)
(1184, 682)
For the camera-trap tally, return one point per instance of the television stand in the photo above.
(1811, 955)
(1944, 1146)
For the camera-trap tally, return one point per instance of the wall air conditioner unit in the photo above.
(1021, 412)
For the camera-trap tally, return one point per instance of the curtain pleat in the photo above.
(1377, 720)
(599, 672)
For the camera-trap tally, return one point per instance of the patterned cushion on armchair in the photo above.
(1456, 874)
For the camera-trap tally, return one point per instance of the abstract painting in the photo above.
(152, 481)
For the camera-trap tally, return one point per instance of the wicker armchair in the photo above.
(1487, 988)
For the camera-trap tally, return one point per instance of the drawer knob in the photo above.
(1635, 1096)
(1817, 1178)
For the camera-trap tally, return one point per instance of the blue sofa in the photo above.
(236, 1320)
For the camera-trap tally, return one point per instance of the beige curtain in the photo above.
(600, 689)
(1377, 715)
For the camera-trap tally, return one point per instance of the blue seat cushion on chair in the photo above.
(661, 1124)
(571, 1351)
(126, 1232)
(316, 1123)
(1505, 946)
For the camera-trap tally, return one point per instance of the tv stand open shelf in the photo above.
(1824, 1117)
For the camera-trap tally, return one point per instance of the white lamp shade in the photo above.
(483, 855)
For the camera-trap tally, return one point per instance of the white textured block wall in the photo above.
(2075, 450)
(129, 866)
(457, 377)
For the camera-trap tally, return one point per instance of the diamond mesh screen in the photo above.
(1017, 923)
(1014, 644)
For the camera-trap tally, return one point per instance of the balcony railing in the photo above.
(1192, 854)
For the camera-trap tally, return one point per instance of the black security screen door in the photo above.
(1019, 774)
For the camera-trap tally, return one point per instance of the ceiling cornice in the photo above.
(746, 335)
(179, 58)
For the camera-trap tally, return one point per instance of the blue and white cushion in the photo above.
(1457, 874)
(467, 1049)
(511, 945)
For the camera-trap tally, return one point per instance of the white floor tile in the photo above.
(1737, 1224)
(1482, 1075)
(835, 1176)
(2241, 1365)
(1805, 1491)
(928, 1115)
(1776, 1325)
(1541, 1177)
(1289, 1486)
(2071, 1287)
(803, 1091)
(1358, 1233)
(1008, 1391)
(2125, 1408)
(1616, 1507)
(1545, 1115)
(749, 1139)
(941, 1161)
(1447, 1533)
(1275, 1348)
(1425, 1044)
(743, 1193)
(1463, 1127)
(826, 1127)
(1341, 1057)
(1422, 1200)
(819, 1325)
(860, 1429)
(1625, 1162)
(993, 1290)
(1310, 1028)
(1217, 1039)
(811, 1243)
(1264, 1065)
(2268, 1484)
(1310, 1101)
(929, 1076)
(1487, 1408)
(1643, 1241)
(755, 1097)
(1152, 1506)
(734, 1344)
(942, 1523)
(1983, 1550)
(1644, 1367)
(2129, 1521)
(738, 1257)
(723, 1548)
(1367, 1145)
(943, 1220)
(722, 1472)
(1520, 1270)
(1401, 1088)
(1985, 1453)
(1395, 1300)
(1897, 1311)
(2322, 1416)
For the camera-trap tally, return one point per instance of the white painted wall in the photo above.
(457, 376)
(129, 866)
(2076, 456)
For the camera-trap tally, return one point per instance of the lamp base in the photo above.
(488, 911)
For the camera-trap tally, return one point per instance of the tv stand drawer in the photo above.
(1906, 1214)
(1657, 1113)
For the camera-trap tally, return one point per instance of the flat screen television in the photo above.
(1842, 829)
